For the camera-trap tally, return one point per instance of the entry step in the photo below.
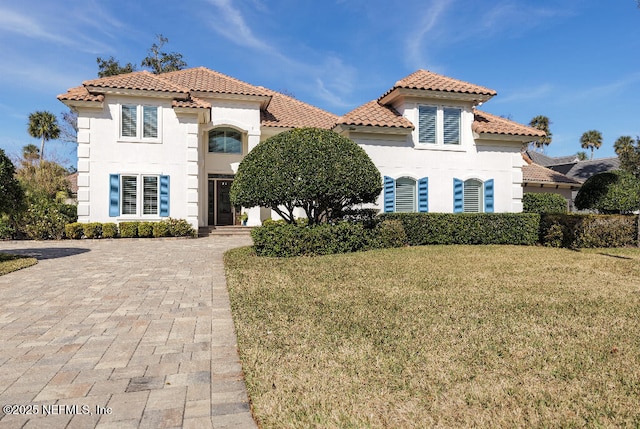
(206, 231)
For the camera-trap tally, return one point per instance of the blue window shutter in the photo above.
(458, 195)
(423, 195)
(389, 194)
(114, 195)
(488, 196)
(164, 196)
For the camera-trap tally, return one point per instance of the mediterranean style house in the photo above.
(152, 146)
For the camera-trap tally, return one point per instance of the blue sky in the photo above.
(575, 61)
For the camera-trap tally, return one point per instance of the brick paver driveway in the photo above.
(120, 333)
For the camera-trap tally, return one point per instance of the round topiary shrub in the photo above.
(611, 192)
(317, 170)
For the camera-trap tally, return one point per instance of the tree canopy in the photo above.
(11, 194)
(43, 125)
(542, 123)
(591, 140)
(628, 152)
(157, 61)
(317, 170)
(610, 192)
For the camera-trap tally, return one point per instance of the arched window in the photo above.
(405, 195)
(473, 196)
(225, 140)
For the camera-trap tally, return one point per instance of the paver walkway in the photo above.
(120, 333)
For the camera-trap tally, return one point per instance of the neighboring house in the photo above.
(72, 180)
(574, 169)
(151, 146)
(539, 179)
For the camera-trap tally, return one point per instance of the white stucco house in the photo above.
(151, 146)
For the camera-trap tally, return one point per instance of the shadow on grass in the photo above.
(47, 252)
(615, 256)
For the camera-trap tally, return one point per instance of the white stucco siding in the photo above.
(396, 157)
(110, 154)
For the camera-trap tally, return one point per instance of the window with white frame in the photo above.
(439, 125)
(139, 122)
(131, 199)
(225, 140)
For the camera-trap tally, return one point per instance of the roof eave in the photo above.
(373, 129)
(398, 92)
(502, 137)
(74, 104)
(556, 185)
(137, 92)
(264, 100)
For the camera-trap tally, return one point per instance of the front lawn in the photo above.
(9, 263)
(447, 336)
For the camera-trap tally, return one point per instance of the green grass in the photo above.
(9, 263)
(447, 336)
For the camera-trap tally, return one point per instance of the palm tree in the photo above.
(43, 125)
(542, 123)
(591, 140)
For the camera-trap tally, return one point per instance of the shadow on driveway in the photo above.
(47, 252)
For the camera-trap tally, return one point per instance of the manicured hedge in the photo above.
(164, 228)
(543, 203)
(468, 228)
(588, 230)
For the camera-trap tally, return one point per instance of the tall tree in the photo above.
(628, 151)
(582, 155)
(112, 67)
(591, 140)
(542, 123)
(30, 153)
(162, 62)
(43, 125)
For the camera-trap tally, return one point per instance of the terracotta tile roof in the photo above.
(80, 93)
(142, 80)
(204, 80)
(192, 102)
(491, 124)
(427, 80)
(538, 174)
(375, 114)
(287, 112)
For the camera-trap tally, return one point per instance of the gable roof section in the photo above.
(421, 81)
(201, 79)
(542, 159)
(582, 170)
(375, 115)
(139, 81)
(486, 123)
(287, 112)
(537, 174)
(187, 86)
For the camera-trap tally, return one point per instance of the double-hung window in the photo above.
(140, 123)
(139, 195)
(439, 125)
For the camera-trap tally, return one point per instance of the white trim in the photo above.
(139, 124)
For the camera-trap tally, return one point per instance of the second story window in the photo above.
(439, 125)
(139, 122)
(225, 140)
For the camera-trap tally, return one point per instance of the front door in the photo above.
(224, 211)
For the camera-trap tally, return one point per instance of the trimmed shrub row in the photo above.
(588, 230)
(543, 203)
(143, 229)
(280, 239)
(468, 228)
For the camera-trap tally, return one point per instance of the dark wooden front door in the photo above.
(224, 211)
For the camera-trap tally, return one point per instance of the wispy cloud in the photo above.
(241, 33)
(428, 29)
(323, 74)
(603, 91)
(527, 94)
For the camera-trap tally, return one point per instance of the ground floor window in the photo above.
(138, 195)
(406, 194)
(472, 196)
